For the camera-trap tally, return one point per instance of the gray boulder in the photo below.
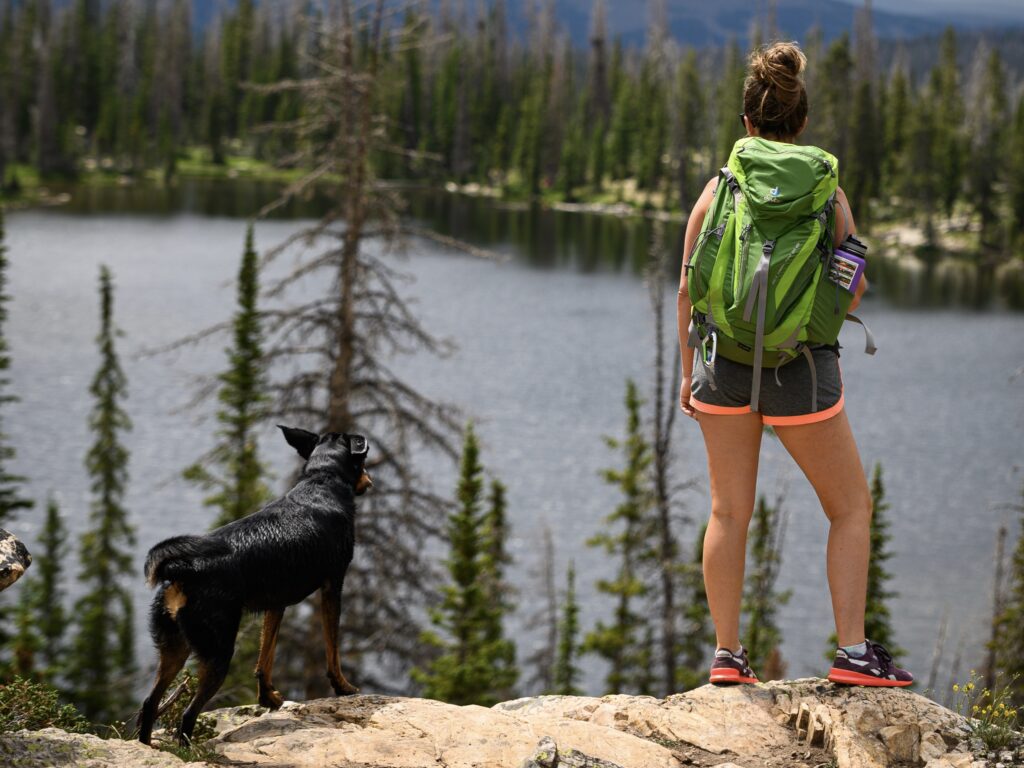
(14, 559)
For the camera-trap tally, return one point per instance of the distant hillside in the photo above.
(698, 23)
(921, 54)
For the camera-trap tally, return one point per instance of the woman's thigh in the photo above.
(827, 454)
(733, 444)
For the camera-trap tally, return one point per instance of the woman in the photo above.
(818, 438)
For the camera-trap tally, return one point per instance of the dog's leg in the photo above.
(211, 676)
(330, 602)
(268, 697)
(172, 659)
(210, 628)
(173, 652)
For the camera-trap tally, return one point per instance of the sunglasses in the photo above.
(742, 121)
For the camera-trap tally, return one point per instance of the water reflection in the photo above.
(911, 282)
(549, 239)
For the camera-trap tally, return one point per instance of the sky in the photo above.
(1005, 10)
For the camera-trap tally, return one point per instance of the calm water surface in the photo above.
(546, 340)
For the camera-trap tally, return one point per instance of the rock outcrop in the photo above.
(808, 723)
(14, 559)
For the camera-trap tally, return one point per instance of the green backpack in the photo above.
(758, 272)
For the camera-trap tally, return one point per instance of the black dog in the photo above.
(262, 563)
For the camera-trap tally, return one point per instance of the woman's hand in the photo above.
(684, 398)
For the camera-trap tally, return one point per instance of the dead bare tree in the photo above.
(331, 357)
(998, 601)
(669, 570)
(544, 621)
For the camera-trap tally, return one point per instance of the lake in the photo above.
(545, 342)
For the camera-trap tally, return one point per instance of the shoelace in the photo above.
(883, 655)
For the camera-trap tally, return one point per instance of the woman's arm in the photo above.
(845, 225)
(683, 306)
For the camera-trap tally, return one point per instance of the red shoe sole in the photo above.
(855, 678)
(730, 676)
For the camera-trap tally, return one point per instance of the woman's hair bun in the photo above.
(774, 96)
(778, 64)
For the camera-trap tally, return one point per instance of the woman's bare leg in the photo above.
(733, 444)
(827, 454)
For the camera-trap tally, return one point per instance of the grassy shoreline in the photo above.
(893, 229)
(617, 198)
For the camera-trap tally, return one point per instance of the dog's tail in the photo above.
(181, 556)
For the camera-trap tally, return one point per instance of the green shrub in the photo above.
(25, 704)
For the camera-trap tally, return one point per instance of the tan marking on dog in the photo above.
(363, 484)
(174, 600)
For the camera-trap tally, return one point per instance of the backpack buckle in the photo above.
(713, 338)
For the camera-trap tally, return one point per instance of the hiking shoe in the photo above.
(875, 668)
(731, 668)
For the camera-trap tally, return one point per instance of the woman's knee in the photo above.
(733, 511)
(856, 508)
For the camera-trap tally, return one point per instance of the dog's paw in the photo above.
(341, 686)
(271, 699)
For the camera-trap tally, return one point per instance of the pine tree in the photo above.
(761, 601)
(619, 643)
(11, 499)
(598, 99)
(690, 136)
(987, 150)
(729, 92)
(1010, 624)
(920, 183)
(895, 137)
(864, 162)
(623, 131)
(833, 130)
(698, 633)
(237, 482)
(567, 672)
(103, 657)
(233, 470)
(877, 618)
(498, 593)
(473, 666)
(949, 141)
(25, 643)
(39, 644)
(1015, 175)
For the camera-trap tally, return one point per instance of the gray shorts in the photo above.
(785, 405)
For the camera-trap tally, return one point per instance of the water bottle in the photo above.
(848, 262)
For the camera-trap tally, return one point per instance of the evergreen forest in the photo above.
(357, 103)
(129, 89)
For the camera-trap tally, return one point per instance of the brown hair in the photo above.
(774, 96)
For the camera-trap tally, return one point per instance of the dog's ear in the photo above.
(302, 441)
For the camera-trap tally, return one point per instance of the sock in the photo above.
(723, 652)
(856, 651)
